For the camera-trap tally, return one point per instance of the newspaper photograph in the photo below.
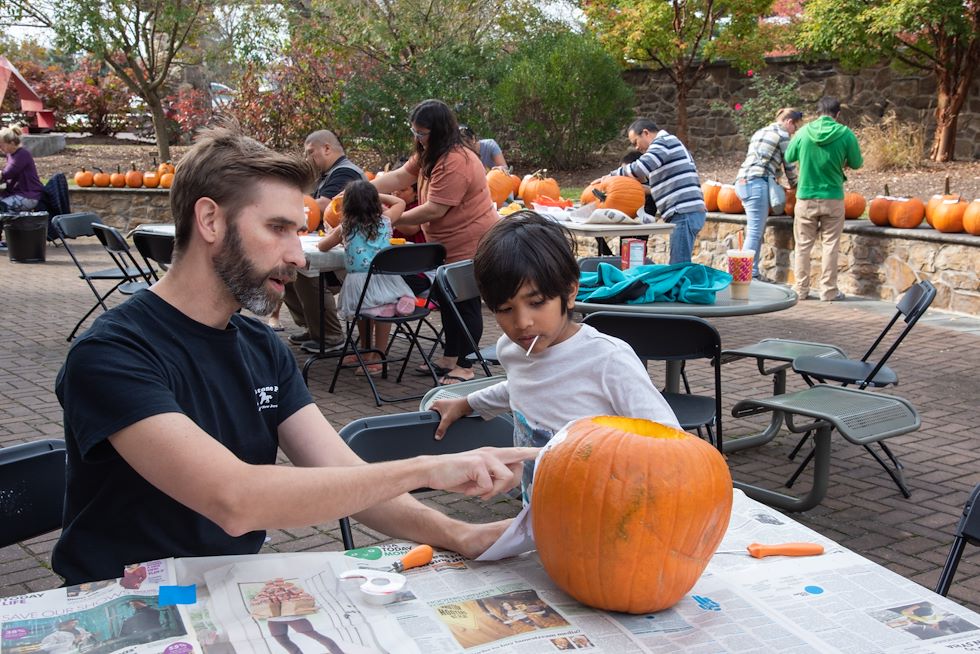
(99, 618)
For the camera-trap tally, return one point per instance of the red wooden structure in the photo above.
(29, 100)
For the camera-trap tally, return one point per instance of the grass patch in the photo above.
(889, 144)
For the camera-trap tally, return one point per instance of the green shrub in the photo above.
(564, 97)
(888, 144)
(766, 96)
(376, 99)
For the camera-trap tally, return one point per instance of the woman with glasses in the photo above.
(454, 208)
(761, 168)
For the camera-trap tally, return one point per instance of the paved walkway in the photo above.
(938, 367)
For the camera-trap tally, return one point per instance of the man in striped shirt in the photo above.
(667, 168)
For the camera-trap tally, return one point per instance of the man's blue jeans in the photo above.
(686, 228)
(754, 194)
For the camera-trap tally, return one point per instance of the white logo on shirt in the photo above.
(267, 397)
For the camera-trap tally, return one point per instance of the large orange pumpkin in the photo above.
(627, 512)
(936, 199)
(334, 212)
(710, 190)
(166, 180)
(728, 200)
(948, 215)
(151, 178)
(906, 213)
(854, 204)
(500, 185)
(878, 210)
(84, 178)
(312, 211)
(588, 196)
(617, 192)
(101, 178)
(540, 184)
(971, 218)
(117, 179)
(166, 167)
(134, 178)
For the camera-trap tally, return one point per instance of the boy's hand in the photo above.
(449, 412)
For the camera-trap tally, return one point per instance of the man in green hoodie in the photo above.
(823, 149)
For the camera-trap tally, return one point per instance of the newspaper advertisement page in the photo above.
(839, 600)
(298, 605)
(99, 618)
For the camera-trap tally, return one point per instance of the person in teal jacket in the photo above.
(822, 148)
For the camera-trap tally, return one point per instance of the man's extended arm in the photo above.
(176, 456)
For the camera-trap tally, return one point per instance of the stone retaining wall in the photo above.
(123, 208)
(878, 262)
(870, 92)
(875, 262)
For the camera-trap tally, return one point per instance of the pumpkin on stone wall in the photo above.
(854, 204)
(710, 191)
(118, 178)
(728, 200)
(947, 216)
(971, 218)
(906, 213)
(627, 512)
(878, 209)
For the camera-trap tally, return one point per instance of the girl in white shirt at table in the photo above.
(557, 370)
(366, 230)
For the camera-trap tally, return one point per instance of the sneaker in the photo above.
(313, 347)
(803, 295)
(837, 298)
(298, 339)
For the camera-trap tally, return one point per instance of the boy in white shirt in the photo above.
(557, 370)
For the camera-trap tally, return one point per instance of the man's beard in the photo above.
(244, 282)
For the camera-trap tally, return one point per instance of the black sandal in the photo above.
(423, 370)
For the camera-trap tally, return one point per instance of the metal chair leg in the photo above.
(895, 473)
(799, 470)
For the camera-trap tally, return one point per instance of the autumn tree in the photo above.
(938, 36)
(681, 37)
(140, 40)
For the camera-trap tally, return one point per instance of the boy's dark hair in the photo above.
(525, 247)
(828, 105)
(224, 165)
(362, 209)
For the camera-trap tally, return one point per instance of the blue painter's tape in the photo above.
(170, 595)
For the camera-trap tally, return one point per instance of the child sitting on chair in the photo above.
(366, 230)
(557, 370)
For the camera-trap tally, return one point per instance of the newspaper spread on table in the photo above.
(297, 604)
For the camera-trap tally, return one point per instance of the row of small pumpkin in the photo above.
(161, 176)
(622, 193)
(944, 212)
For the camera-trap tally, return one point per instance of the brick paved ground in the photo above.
(863, 510)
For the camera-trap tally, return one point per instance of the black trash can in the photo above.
(26, 235)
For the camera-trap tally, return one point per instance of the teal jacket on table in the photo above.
(823, 148)
(691, 283)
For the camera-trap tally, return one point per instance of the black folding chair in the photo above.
(32, 476)
(76, 225)
(115, 245)
(968, 531)
(458, 284)
(672, 338)
(406, 435)
(395, 260)
(154, 248)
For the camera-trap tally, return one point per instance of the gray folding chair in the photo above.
(76, 225)
(115, 245)
(407, 435)
(967, 531)
(861, 417)
(458, 284)
(32, 476)
(673, 338)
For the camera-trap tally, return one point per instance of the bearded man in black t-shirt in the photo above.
(175, 405)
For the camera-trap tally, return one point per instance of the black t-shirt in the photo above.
(145, 358)
(333, 181)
